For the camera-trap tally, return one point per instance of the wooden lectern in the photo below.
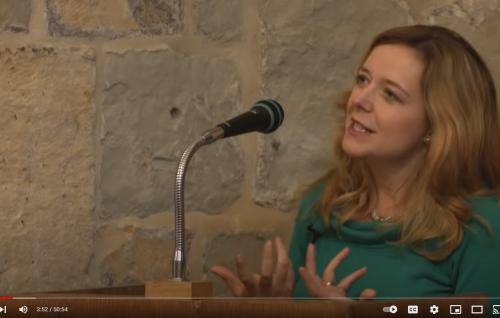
(178, 289)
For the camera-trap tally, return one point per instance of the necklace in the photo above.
(376, 217)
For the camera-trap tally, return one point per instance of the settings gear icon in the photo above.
(434, 309)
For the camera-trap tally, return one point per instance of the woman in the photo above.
(411, 207)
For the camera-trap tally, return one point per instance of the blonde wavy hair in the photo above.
(462, 158)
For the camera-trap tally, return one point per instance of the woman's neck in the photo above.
(391, 180)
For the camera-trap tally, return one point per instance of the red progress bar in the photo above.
(6, 297)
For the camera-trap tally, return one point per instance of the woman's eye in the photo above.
(390, 95)
(361, 79)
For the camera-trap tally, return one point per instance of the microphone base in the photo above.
(177, 289)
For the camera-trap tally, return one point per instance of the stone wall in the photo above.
(98, 99)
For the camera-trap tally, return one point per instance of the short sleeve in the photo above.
(477, 260)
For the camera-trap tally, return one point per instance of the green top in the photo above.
(474, 267)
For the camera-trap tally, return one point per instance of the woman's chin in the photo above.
(353, 151)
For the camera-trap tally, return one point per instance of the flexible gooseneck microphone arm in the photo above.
(179, 260)
(265, 116)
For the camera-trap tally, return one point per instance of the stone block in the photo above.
(47, 173)
(158, 16)
(309, 54)
(476, 21)
(114, 18)
(451, 13)
(15, 15)
(155, 105)
(144, 255)
(219, 20)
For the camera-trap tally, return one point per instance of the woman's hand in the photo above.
(326, 286)
(273, 280)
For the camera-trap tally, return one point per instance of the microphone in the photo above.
(265, 116)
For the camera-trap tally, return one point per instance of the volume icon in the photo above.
(23, 309)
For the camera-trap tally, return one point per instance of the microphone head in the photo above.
(275, 112)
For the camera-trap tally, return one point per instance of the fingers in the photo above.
(241, 268)
(232, 281)
(273, 280)
(255, 281)
(282, 263)
(347, 281)
(310, 282)
(368, 294)
(313, 282)
(266, 269)
(242, 272)
(329, 272)
(317, 286)
(266, 266)
(310, 261)
(309, 276)
(283, 278)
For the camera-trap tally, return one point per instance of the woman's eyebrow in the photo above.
(391, 82)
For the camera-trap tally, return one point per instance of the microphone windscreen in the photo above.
(275, 112)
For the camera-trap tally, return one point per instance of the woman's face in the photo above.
(385, 116)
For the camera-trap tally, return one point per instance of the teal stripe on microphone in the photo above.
(271, 113)
(279, 109)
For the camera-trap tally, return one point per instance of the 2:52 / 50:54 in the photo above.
(51, 309)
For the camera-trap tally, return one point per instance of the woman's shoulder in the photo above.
(483, 229)
(476, 259)
(310, 198)
(487, 208)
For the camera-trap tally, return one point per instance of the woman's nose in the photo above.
(364, 98)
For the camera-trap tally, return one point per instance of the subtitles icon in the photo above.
(455, 309)
(392, 309)
(23, 309)
(412, 309)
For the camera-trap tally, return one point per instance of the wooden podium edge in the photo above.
(171, 289)
(179, 289)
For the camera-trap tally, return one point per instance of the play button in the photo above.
(3, 310)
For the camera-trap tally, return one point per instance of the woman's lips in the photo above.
(359, 127)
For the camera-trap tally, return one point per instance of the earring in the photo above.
(427, 139)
